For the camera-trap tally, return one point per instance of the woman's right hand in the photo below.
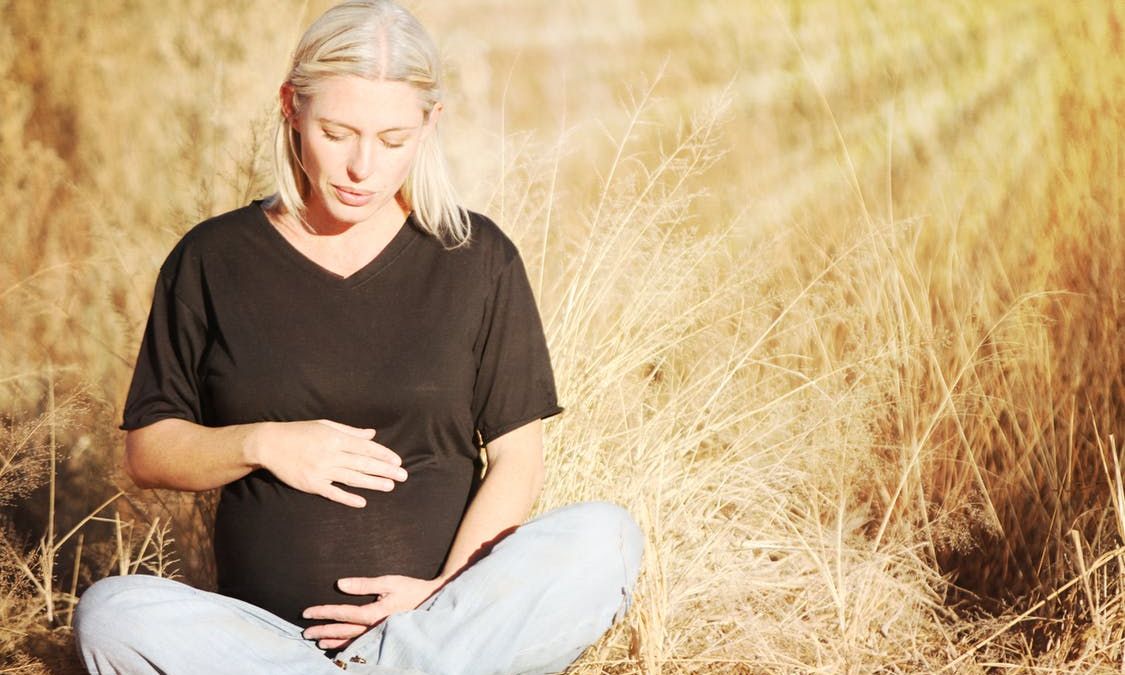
(311, 455)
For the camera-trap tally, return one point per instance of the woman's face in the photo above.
(359, 138)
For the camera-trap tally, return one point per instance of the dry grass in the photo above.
(833, 292)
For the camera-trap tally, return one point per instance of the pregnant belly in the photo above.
(283, 550)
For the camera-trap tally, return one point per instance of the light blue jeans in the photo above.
(533, 604)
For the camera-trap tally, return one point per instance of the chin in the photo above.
(346, 213)
(352, 214)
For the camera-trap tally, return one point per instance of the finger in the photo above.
(374, 467)
(367, 585)
(374, 450)
(332, 644)
(351, 431)
(362, 480)
(356, 614)
(335, 631)
(334, 493)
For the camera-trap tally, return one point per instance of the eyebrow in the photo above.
(326, 120)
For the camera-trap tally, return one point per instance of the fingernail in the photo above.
(402, 474)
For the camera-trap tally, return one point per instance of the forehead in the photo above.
(366, 104)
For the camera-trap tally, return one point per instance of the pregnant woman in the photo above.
(335, 358)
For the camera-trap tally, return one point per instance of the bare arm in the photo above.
(308, 455)
(182, 455)
(511, 485)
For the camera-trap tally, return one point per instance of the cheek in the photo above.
(404, 163)
(403, 168)
(317, 159)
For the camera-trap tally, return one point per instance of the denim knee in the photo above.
(606, 533)
(97, 603)
(106, 606)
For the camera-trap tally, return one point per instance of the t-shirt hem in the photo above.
(493, 434)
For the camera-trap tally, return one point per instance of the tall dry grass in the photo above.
(833, 293)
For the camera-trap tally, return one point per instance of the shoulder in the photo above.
(486, 233)
(218, 232)
(218, 235)
(488, 246)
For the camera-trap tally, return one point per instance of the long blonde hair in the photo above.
(378, 40)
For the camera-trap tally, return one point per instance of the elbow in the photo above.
(132, 461)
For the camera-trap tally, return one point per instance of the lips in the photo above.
(352, 197)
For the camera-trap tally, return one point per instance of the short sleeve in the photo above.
(514, 384)
(166, 377)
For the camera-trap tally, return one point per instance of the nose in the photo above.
(363, 160)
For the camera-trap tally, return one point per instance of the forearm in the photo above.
(504, 499)
(182, 455)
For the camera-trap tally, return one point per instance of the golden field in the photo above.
(833, 290)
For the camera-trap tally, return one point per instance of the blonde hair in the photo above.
(377, 40)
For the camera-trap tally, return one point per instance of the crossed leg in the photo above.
(532, 605)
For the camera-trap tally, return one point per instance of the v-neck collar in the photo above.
(402, 239)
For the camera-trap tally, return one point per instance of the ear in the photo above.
(287, 97)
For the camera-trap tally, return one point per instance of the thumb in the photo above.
(365, 585)
(349, 430)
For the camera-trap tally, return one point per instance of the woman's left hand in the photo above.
(396, 594)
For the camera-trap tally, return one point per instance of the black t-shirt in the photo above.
(429, 346)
